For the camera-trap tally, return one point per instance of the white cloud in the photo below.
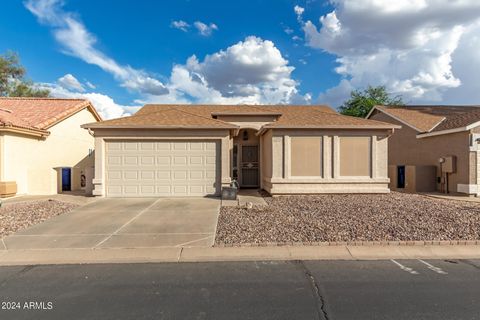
(251, 71)
(78, 42)
(68, 81)
(298, 10)
(288, 30)
(410, 46)
(181, 25)
(205, 29)
(104, 104)
(90, 85)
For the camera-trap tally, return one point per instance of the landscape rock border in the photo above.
(354, 243)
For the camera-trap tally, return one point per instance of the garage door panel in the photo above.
(162, 168)
(130, 146)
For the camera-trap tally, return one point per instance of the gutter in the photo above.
(31, 132)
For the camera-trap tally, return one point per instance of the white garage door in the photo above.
(162, 168)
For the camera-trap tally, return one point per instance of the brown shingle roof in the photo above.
(434, 118)
(39, 114)
(197, 115)
(166, 118)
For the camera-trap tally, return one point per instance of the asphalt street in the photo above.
(390, 289)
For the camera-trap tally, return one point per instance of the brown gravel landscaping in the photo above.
(20, 215)
(318, 218)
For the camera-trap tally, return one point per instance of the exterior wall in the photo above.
(35, 164)
(101, 135)
(406, 149)
(306, 157)
(253, 122)
(266, 164)
(330, 181)
(355, 156)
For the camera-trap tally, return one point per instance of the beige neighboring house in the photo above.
(43, 150)
(437, 148)
(194, 150)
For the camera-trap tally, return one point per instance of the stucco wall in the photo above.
(355, 156)
(406, 149)
(284, 182)
(266, 145)
(306, 156)
(32, 162)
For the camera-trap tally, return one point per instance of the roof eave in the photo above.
(85, 105)
(449, 131)
(26, 131)
(95, 126)
(354, 127)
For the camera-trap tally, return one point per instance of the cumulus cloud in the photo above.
(410, 46)
(205, 29)
(250, 71)
(105, 105)
(79, 42)
(181, 25)
(68, 81)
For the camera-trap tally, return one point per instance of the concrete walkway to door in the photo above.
(125, 223)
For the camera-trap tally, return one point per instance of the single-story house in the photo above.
(43, 150)
(194, 150)
(437, 148)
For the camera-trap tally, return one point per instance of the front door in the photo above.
(249, 167)
(66, 179)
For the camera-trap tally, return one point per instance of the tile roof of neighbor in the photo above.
(39, 114)
(434, 118)
(202, 116)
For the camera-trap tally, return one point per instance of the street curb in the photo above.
(217, 254)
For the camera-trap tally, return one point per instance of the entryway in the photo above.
(246, 159)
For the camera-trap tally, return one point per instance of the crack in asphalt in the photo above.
(470, 263)
(320, 305)
(19, 272)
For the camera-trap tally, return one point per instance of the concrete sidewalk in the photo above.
(199, 254)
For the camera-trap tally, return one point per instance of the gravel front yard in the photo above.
(390, 217)
(20, 215)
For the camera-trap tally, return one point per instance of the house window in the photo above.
(306, 156)
(355, 156)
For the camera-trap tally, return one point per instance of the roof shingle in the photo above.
(434, 118)
(202, 115)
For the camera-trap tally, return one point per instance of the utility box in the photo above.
(229, 193)
(449, 165)
(8, 189)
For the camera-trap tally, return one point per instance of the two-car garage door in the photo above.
(162, 168)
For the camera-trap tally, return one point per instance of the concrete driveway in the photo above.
(126, 223)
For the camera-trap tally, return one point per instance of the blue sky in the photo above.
(126, 53)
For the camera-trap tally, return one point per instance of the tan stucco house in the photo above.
(194, 150)
(43, 150)
(437, 148)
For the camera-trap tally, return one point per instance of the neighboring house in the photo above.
(43, 150)
(436, 148)
(194, 150)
